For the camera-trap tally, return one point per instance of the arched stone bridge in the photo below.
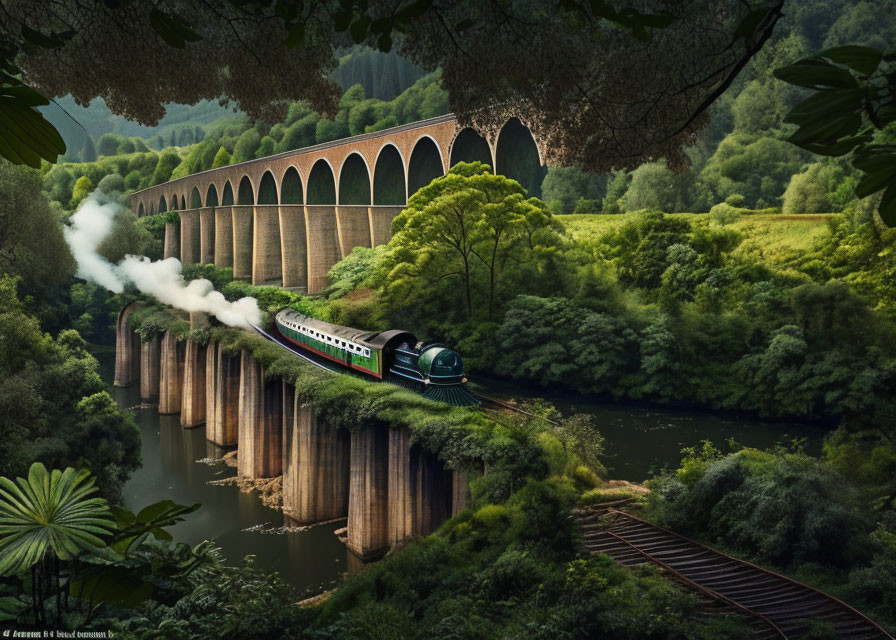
(288, 218)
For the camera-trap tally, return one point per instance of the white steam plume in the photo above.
(163, 279)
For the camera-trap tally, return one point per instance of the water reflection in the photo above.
(176, 467)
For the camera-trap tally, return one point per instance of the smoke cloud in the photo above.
(162, 279)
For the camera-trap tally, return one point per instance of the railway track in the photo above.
(777, 606)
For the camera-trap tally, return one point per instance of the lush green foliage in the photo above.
(49, 513)
(54, 407)
(504, 570)
(464, 232)
(830, 520)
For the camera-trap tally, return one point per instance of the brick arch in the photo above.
(240, 193)
(211, 195)
(375, 181)
(469, 139)
(195, 198)
(341, 174)
(307, 183)
(227, 193)
(282, 184)
(415, 182)
(268, 182)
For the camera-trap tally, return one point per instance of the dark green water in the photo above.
(239, 523)
(643, 439)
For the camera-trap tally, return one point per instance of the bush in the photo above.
(782, 508)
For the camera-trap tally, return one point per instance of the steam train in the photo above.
(395, 356)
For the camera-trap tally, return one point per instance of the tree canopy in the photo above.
(603, 86)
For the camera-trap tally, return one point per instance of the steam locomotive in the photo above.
(395, 355)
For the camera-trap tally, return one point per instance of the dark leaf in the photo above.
(10, 608)
(829, 129)
(863, 59)
(52, 41)
(874, 182)
(25, 135)
(824, 103)
(816, 74)
(887, 207)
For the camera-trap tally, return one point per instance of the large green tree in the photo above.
(460, 235)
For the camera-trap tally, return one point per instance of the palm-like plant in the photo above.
(49, 512)
(49, 516)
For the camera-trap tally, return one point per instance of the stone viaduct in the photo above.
(287, 219)
(386, 487)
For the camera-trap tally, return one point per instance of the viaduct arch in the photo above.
(288, 218)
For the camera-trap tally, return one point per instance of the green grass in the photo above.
(774, 239)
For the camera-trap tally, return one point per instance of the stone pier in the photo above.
(260, 422)
(242, 241)
(224, 429)
(434, 487)
(460, 491)
(267, 266)
(316, 468)
(353, 223)
(172, 240)
(150, 353)
(223, 251)
(293, 246)
(211, 379)
(381, 218)
(207, 235)
(368, 500)
(127, 350)
(189, 236)
(171, 374)
(422, 494)
(193, 396)
(323, 244)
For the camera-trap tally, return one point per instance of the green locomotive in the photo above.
(394, 355)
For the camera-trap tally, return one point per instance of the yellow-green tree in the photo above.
(461, 234)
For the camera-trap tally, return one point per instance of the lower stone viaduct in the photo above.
(287, 219)
(387, 488)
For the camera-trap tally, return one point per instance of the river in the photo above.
(640, 439)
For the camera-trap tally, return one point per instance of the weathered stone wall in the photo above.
(381, 224)
(127, 351)
(323, 244)
(315, 468)
(207, 235)
(294, 246)
(267, 261)
(171, 372)
(224, 237)
(354, 228)
(224, 429)
(260, 422)
(243, 221)
(368, 498)
(150, 353)
(190, 240)
(193, 396)
(172, 240)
